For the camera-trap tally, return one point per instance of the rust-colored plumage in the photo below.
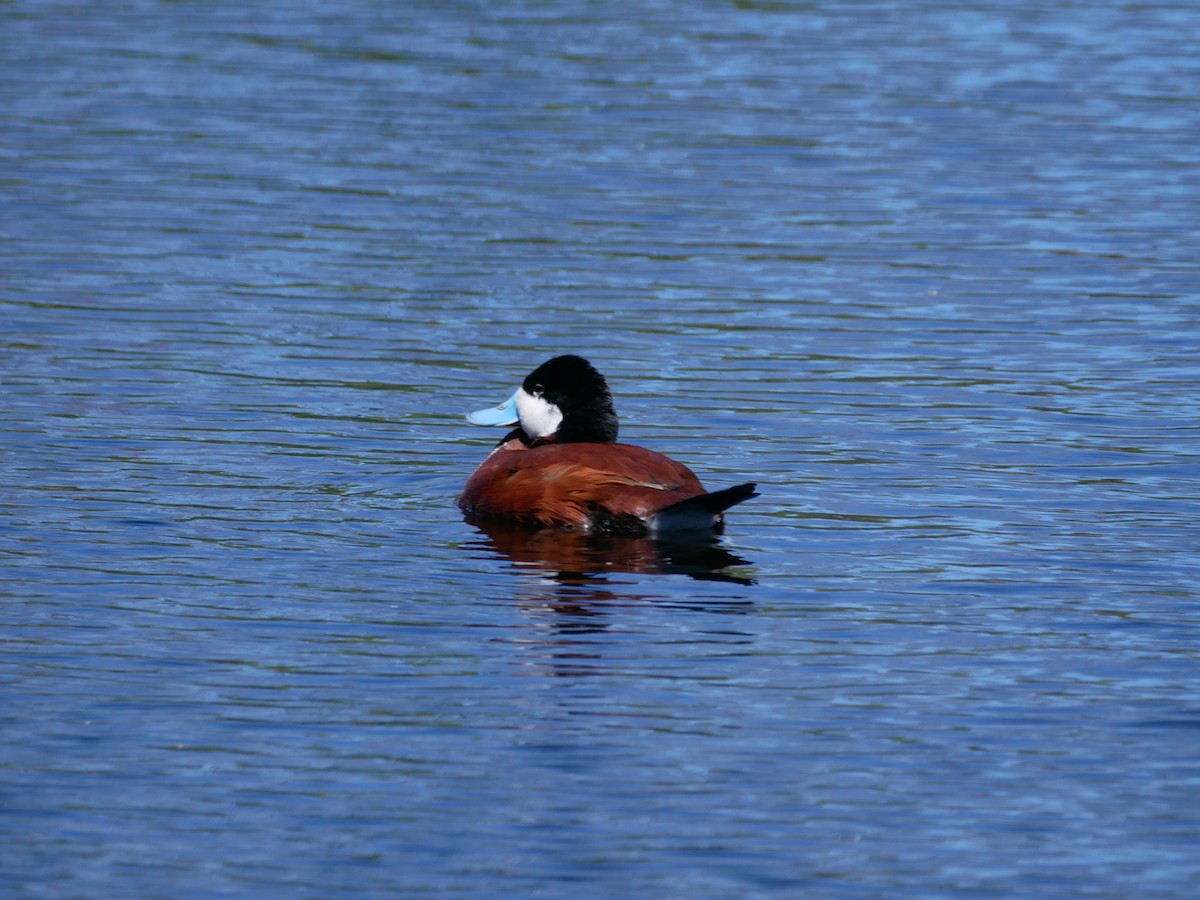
(613, 487)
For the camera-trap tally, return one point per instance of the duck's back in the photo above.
(589, 486)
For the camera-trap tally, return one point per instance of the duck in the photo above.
(562, 467)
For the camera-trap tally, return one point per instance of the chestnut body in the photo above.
(607, 487)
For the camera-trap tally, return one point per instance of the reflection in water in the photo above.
(580, 560)
(575, 584)
(576, 571)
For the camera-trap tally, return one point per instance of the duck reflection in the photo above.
(573, 583)
(577, 560)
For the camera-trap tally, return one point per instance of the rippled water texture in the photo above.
(927, 274)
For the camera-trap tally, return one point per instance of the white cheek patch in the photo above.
(539, 417)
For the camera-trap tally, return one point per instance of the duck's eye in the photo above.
(538, 389)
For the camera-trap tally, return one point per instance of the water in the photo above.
(926, 274)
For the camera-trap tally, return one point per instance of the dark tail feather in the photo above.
(702, 512)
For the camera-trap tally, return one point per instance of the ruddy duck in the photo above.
(562, 467)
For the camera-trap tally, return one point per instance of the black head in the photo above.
(570, 386)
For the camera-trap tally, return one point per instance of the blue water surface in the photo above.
(927, 274)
